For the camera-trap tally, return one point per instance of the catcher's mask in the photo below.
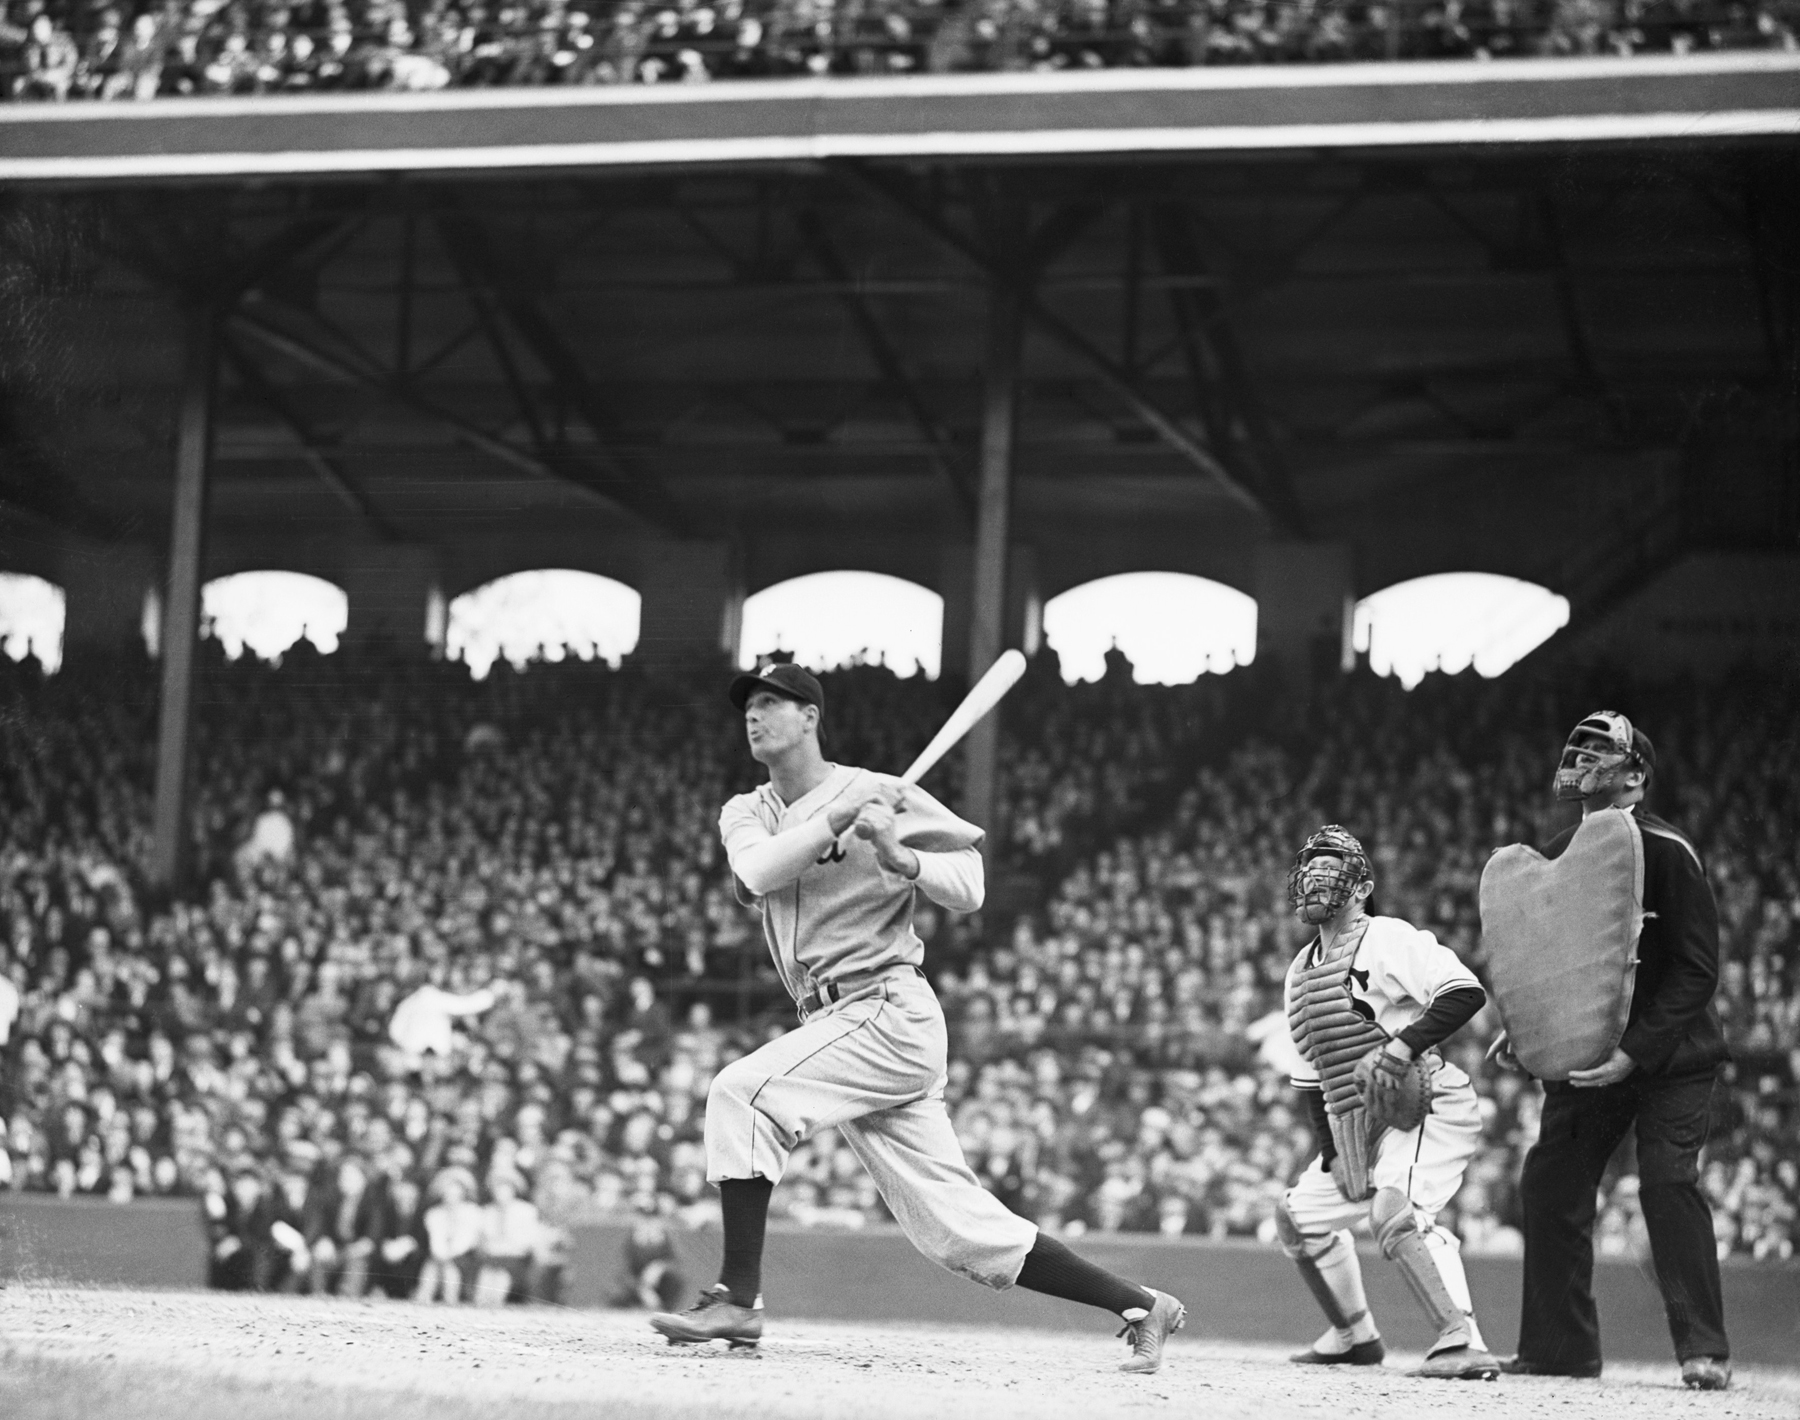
(1319, 894)
(1600, 748)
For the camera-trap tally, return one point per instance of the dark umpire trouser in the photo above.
(1559, 1327)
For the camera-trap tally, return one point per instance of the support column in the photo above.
(172, 846)
(1305, 596)
(988, 583)
(955, 584)
(391, 588)
(1023, 628)
(693, 603)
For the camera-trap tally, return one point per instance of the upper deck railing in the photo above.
(1074, 110)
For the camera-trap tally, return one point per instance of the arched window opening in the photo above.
(1171, 626)
(268, 612)
(831, 619)
(547, 614)
(1454, 620)
(32, 613)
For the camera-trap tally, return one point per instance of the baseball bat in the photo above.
(983, 696)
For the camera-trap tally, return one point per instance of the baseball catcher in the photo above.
(1604, 952)
(1368, 1001)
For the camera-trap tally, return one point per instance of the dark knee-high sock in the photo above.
(744, 1202)
(1052, 1268)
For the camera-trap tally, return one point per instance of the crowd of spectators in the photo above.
(132, 49)
(541, 844)
(462, 956)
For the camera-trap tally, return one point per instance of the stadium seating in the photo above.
(93, 49)
(548, 835)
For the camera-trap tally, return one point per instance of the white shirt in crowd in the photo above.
(509, 1229)
(9, 1008)
(421, 1022)
(453, 1229)
(271, 837)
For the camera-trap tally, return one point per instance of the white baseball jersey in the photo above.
(1397, 972)
(847, 915)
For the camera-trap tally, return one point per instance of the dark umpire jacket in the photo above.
(1672, 1029)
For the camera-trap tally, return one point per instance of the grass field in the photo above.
(117, 1355)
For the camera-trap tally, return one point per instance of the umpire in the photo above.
(1660, 1077)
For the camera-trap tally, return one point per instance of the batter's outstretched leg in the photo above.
(917, 1164)
(1150, 1317)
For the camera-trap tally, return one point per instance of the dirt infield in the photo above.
(206, 1356)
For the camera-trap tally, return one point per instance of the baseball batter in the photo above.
(1366, 998)
(834, 856)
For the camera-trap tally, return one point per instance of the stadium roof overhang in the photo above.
(1414, 307)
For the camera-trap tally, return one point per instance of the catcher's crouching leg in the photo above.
(1328, 1265)
(1432, 1268)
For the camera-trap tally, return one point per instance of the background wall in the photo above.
(1237, 1291)
(1708, 613)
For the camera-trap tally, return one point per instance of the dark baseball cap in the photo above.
(784, 678)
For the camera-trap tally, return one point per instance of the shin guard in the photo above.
(1397, 1230)
(1329, 1268)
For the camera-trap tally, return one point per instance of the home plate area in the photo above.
(98, 1354)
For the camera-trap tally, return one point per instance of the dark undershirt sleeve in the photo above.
(1314, 1099)
(1449, 1013)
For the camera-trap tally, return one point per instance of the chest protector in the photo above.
(1561, 938)
(1333, 1035)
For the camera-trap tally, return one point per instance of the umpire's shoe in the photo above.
(1581, 1370)
(715, 1317)
(1149, 1330)
(1706, 1372)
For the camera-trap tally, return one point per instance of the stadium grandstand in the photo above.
(57, 53)
(996, 301)
(515, 836)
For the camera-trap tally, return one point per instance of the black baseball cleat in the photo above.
(1519, 1366)
(1363, 1353)
(1706, 1372)
(715, 1317)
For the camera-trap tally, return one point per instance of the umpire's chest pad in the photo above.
(1561, 938)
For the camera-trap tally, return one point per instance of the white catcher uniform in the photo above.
(871, 1053)
(1396, 972)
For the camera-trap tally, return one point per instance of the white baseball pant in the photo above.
(872, 1066)
(1426, 1164)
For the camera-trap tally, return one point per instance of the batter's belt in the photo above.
(829, 993)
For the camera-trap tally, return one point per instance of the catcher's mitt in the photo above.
(1397, 1094)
